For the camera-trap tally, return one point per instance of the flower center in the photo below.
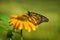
(22, 18)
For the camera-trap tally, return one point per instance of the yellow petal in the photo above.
(29, 29)
(32, 26)
(17, 24)
(13, 23)
(25, 25)
(10, 20)
(21, 25)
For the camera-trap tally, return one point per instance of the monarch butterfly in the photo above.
(36, 18)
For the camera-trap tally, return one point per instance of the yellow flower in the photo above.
(20, 22)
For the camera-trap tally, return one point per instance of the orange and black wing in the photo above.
(36, 18)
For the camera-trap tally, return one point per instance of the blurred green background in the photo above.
(45, 31)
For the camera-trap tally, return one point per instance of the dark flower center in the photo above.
(22, 18)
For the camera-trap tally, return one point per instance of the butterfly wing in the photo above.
(35, 18)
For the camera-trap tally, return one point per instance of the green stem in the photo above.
(21, 35)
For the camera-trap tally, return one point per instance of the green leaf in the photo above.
(2, 29)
